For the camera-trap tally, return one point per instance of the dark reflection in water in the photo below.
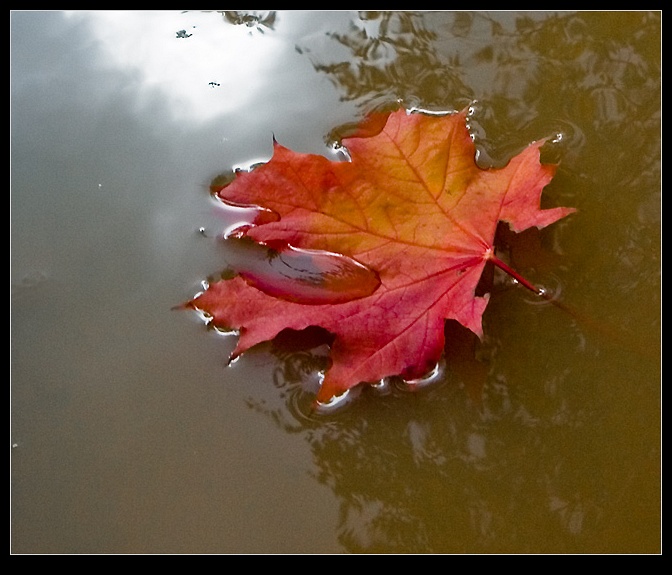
(601, 67)
(393, 55)
(259, 19)
(544, 470)
(556, 448)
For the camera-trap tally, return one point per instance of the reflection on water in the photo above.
(390, 56)
(258, 19)
(186, 54)
(132, 434)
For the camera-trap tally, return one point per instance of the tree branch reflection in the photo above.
(392, 55)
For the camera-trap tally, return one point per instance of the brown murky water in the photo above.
(129, 432)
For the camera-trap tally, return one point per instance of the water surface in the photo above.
(130, 432)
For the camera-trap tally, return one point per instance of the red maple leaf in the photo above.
(415, 219)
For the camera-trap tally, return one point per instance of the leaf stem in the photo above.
(515, 275)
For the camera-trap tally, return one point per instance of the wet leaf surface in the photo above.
(413, 216)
